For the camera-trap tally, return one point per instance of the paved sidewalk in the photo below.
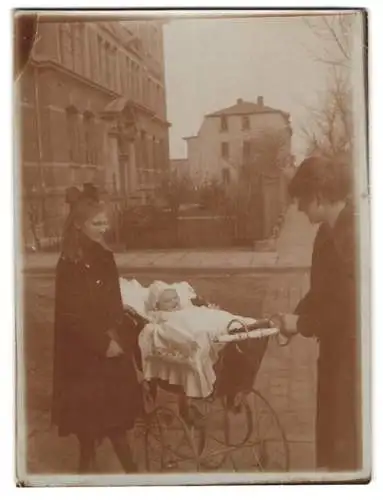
(295, 242)
(170, 260)
(293, 251)
(287, 376)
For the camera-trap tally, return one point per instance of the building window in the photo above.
(163, 154)
(146, 90)
(139, 83)
(125, 76)
(119, 86)
(104, 63)
(101, 58)
(226, 176)
(66, 45)
(134, 80)
(154, 153)
(90, 139)
(144, 152)
(108, 64)
(158, 99)
(162, 101)
(93, 54)
(224, 124)
(113, 67)
(73, 134)
(150, 96)
(246, 150)
(225, 149)
(245, 123)
(78, 47)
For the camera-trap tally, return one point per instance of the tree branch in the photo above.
(336, 37)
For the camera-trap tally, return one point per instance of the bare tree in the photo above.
(174, 189)
(269, 157)
(330, 131)
(35, 211)
(270, 150)
(33, 215)
(334, 32)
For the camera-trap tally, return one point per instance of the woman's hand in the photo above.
(288, 324)
(114, 350)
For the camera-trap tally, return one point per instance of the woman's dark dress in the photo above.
(92, 394)
(329, 312)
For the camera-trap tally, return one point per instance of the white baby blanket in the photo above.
(178, 346)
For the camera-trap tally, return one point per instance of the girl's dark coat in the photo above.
(329, 312)
(92, 393)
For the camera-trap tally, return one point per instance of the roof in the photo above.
(116, 106)
(119, 104)
(246, 108)
(190, 137)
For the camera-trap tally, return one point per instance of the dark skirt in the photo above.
(105, 397)
(338, 408)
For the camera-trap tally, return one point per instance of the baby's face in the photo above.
(169, 301)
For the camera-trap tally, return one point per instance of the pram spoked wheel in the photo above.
(232, 430)
(247, 437)
(170, 444)
(265, 447)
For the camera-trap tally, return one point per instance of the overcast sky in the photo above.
(211, 63)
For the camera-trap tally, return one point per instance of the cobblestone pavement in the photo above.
(286, 377)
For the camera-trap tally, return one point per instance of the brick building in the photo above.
(91, 108)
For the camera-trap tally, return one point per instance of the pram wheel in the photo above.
(266, 448)
(246, 437)
(171, 443)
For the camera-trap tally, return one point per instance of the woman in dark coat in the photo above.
(329, 310)
(95, 392)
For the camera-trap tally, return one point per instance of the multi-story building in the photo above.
(247, 149)
(92, 109)
(225, 140)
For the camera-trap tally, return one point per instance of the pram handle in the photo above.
(233, 322)
(260, 328)
(257, 325)
(238, 337)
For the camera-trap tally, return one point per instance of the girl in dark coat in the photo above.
(329, 310)
(95, 392)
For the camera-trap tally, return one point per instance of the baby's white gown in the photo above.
(177, 346)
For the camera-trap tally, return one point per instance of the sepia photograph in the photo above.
(192, 227)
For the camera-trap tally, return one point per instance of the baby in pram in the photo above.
(178, 341)
(188, 321)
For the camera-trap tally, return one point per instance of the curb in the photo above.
(190, 270)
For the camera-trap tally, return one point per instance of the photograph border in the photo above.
(361, 102)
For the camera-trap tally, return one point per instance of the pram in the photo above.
(233, 429)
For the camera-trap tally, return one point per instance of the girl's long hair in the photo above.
(83, 205)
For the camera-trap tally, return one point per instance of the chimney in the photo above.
(260, 101)
(239, 101)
